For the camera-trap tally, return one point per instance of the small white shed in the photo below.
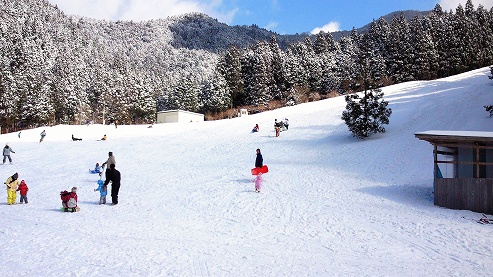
(243, 112)
(173, 116)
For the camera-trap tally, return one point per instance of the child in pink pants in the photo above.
(258, 182)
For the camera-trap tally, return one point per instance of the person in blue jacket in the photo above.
(103, 192)
(96, 169)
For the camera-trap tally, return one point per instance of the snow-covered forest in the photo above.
(61, 69)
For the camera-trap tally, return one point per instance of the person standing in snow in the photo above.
(111, 160)
(114, 176)
(43, 135)
(103, 192)
(6, 153)
(259, 161)
(258, 182)
(12, 184)
(277, 127)
(23, 190)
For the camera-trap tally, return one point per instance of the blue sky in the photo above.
(281, 16)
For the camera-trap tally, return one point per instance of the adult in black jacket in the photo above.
(259, 161)
(114, 176)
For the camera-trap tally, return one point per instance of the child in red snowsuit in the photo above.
(23, 190)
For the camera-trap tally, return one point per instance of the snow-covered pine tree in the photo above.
(425, 62)
(215, 95)
(365, 116)
(229, 66)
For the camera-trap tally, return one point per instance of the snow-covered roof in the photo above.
(435, 136)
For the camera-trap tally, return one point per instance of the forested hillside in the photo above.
(61, 69)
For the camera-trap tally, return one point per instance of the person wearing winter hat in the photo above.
(6, 153)
(12, 184)
(23, 190)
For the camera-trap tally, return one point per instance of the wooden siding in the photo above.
(464, 194)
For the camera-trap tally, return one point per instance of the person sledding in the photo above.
(69, 200)
(255, 129)
(104, 137)
(97, 169)
(75, 139)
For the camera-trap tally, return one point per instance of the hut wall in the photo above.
(475, 194)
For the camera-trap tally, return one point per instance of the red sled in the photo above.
(264, 169)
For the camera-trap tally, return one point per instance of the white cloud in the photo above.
(452, 4)
(271, 26)
(139, 10)
(330, 27)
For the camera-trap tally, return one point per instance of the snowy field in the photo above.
(331, 205)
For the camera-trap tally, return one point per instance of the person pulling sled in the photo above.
(69, 200)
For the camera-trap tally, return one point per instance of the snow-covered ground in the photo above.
(331, 205)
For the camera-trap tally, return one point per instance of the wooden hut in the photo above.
(463, 169)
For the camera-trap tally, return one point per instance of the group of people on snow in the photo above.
(280, 126)
(69, 198)
(13, 186)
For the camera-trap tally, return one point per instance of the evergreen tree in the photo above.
(425, 56)
(229, 66)
(215, 95)
(365, 116)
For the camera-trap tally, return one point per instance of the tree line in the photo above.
(56, 69)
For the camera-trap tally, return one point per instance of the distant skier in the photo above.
(6, 153)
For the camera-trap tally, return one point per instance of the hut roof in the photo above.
(438, 137)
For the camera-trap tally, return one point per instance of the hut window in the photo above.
(485, 163)
(446, 161)
(465, 167)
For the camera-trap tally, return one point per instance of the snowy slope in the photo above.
(331, 205)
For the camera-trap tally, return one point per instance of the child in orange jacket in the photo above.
(23, 190)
